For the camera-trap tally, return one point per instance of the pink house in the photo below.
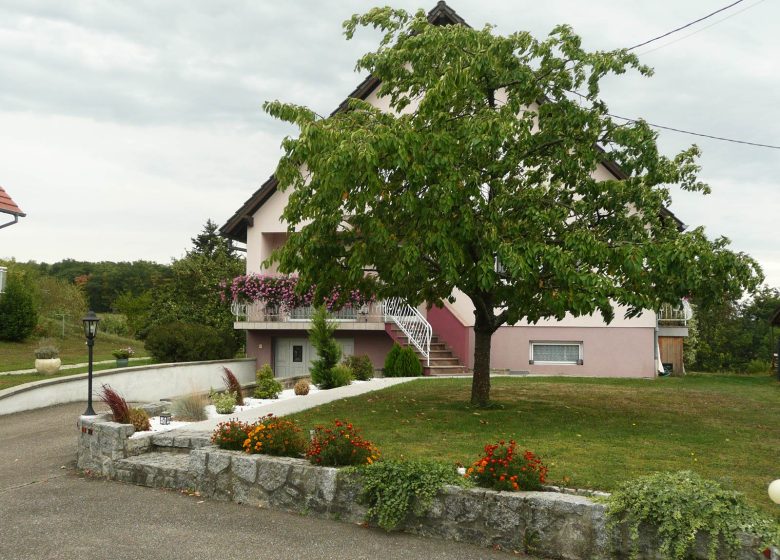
(444, 338)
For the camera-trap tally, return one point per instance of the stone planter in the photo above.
(47, 366)
(122, 362)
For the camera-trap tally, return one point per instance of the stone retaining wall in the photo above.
(545, 524)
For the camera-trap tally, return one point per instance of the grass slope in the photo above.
(593, 433)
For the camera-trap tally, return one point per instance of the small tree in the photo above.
(391, 361)
(328, 350)
(408, 364)
(18, 312)
(489, 154)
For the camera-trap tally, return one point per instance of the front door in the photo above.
(293, 356)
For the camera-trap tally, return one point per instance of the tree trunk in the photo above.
(480, 384)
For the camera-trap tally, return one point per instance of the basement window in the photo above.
(556, 353)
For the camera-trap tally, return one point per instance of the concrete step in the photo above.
(444, 361)
(158, 469)
(446, 370)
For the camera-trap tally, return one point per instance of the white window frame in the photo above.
(579, 362)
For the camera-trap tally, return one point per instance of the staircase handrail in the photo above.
(412, 323)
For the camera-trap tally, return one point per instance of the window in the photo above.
(556, 353)
(297, 353)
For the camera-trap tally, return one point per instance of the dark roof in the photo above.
(8, 206)
(236, 227)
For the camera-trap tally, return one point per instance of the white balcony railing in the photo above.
(259, 312)
(671, 315)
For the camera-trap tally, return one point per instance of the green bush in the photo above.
(18, 313)
(340, 376)
(328, 350)
(225, 403)
(361, 366)
(757, 366)
(46, 350)
(391, 361)
(408, 364)
(267, 387)
(188, 342)
(682, 504)
(190, 408)
(392, 489)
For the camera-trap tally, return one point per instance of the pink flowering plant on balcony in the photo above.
(285, 292)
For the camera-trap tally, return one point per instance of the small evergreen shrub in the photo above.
(275, 436)
(18, 312)
(340, 376)
(393, 489)
(302, 387)
(46, 350)
(189, 408)
(232, 385)
(118, 405)
(361, 366)
(267, 386)
(503, 467)
(391, 361)
(188, 342)
(408, 364)
(230, 435)
(328, 350)
(225, 403)
(341, 445)
(139, 419)
(681, 504)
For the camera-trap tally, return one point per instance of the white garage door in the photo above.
(293, 356)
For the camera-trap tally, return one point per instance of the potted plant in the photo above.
(123, 355)
(47, 358)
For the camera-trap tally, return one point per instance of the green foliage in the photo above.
(114, 323)
(466, 149)
(188, 342)
(302, 387)
(18, 312)
(391, 361)
(46, 350)
(408, 364)
(190, 408)
(340, 376)
(267, 387)
(58, 297)
(328, 350)
(757, 366)
(682, 504)
(361, 366)
(225, 403)
(136, 310)
(139, 419)
(393, 489)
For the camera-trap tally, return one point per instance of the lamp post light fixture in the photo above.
(774, 491)
(90, 321)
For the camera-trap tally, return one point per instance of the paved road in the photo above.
(48, 512)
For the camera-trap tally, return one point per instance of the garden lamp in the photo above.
(165, 418)
(90, 321)
(774, 491)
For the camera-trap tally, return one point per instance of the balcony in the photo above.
(259, 315)
(675, 315)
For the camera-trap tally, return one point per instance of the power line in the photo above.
(684, 26)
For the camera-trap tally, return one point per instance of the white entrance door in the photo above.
(293, 356)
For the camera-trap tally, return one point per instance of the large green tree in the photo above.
(488, 156)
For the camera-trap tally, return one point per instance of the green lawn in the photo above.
(73, 349)
(8, 380)
(593, 433)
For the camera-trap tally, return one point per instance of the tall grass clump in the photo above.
(232, 385)
(117, 404)
(190, 408)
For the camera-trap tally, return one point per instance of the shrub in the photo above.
(302, 387)
(114, 323)
(117, 404)
(757, 366)
(18, 313)
(390, 369)
(680, 504)
(267, 387)
(188, 342)
(408, 364)
(139, 419)
(328, 350)
(190, 408)
(340, 376)
(391, 489)
(341, 446)
(275, 436)
(46, 350)
(232, 385)
(503, 468)
(225, 403)
(361, 366)
(230, 435)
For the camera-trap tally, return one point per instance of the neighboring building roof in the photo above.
(8, 206)
(236, 227)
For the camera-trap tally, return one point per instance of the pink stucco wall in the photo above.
(450, 330)
(607, 351)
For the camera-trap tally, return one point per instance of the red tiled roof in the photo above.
(8, 206)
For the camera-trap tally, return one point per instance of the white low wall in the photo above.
(141, 383)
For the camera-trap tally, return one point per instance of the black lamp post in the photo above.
(90, 331)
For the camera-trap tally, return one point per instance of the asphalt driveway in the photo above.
(49, 511)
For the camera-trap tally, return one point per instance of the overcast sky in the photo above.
(124, 126)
